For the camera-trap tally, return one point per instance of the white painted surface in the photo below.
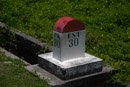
(70, 45)
(71, 62)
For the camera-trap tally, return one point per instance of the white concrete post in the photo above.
(68, 39)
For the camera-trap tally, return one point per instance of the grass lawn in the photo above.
(13, 74)
(107, 25)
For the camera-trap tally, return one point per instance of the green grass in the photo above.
(13, 74)
(107, 25)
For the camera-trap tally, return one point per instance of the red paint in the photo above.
(68, 24)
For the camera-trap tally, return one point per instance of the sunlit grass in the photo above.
(107, 25)
(13, 74)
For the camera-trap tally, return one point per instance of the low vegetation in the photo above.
(107, 26)
(13, 74)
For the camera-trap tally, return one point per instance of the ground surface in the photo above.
(13, 74)
(107, 25)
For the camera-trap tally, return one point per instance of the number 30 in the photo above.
(73, 42)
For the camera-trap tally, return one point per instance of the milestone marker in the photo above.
(69, 39)
(68, 59)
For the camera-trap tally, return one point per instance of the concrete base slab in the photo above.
(82, 81)
(70, 68)
(70, 62)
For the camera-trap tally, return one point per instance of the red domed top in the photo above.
(68, 24)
